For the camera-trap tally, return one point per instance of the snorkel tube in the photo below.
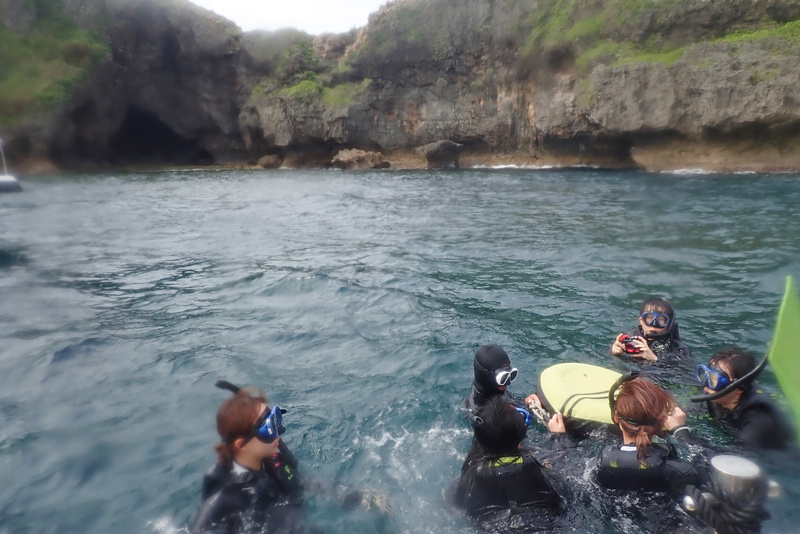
(287, 455)
(738, 383)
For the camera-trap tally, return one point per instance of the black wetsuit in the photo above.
(669, 349)
(511, 487)
(755, 421)
(269, 500)
(618, 468)
(478, 398)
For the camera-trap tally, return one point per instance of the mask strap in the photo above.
(627, 376)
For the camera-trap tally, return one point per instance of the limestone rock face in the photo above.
(441, 154)
(170, 94)
(270, 161)
(467, 83)
(359, 159)
(183, 86)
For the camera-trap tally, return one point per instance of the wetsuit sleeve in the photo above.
(210, 517)
(517, 401)
(682, 434)
(214, 479)
(681, 473)
(221, 511)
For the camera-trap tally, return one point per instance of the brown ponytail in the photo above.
(641, 409)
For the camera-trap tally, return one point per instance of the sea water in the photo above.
(356, 300)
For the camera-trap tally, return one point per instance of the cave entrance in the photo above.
(143, 139)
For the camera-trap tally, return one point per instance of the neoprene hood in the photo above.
(488, 359)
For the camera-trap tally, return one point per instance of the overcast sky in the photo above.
(311, 16)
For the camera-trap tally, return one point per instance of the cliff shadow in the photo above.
(143, 138)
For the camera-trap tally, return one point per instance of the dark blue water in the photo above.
(356, 300)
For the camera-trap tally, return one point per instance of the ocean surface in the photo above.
(356, 300)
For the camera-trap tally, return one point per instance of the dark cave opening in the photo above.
(143, 139)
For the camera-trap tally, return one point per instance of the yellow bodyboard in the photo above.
(578, 390)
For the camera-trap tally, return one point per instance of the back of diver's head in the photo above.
(640, 410)
(499, 427)
(487, 360)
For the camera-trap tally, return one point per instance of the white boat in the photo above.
(8, 184)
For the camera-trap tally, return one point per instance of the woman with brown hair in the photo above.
(642, 410)
(254, 485)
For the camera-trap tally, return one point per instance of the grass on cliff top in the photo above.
(38, 70)
(789, 32)
(310, 91)
(614, 53)
(592, 29)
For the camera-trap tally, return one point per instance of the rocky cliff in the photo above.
(659, 84)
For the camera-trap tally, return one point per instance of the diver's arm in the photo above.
(681, 473)
(675, 424)
(211, 517)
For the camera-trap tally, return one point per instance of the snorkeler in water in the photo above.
(745, 412)
(501, 483)
(655, 338)
(493, 375)
(642, 411)
(254, 484)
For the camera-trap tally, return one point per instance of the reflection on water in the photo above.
(357, 301)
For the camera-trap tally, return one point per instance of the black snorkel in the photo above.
(224, 384)
(287, 455)
(738, 383)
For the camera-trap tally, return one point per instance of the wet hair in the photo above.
(499, 429)
(641, 409)
(235, 419)
(658, 305)
(738, 362)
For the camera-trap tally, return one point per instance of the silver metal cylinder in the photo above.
(737, 476)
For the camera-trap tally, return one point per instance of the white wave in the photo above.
(689, 172)
(165, 525)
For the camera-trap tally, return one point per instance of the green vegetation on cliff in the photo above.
(297, 72)
(652, 31)
(311, 93)
(40, 67)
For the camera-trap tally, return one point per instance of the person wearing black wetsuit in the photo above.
(656, 338)
(641, 410)
(747, 413)
(502, 484)
(493, 375)
(254, 487)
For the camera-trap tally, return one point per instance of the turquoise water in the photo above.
(356, 300)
